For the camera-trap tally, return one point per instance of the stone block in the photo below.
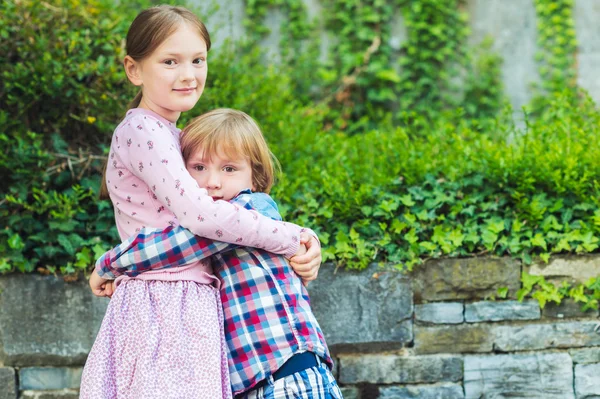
(573, 269)
(587, 380)
(8, 383)
(439, 391)
(479, 338)
(501, 310)
(543, 376)
(585, 355)
(509, 338)
(60, 394)
(47, 322)
(440, 313)
(372, 307)
(472, 278)
(350, 392)
(49, 378)
(453, 339)
(567, 309)
(394, 369)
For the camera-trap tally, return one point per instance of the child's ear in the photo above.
(132, 69)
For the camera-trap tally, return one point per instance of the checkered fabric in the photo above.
(313, 383)
(267, 309)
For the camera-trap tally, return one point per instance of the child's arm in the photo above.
(154, 157)
(153, 249)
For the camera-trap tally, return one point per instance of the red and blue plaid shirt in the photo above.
(267, 310)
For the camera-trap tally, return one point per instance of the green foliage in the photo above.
(428, 180)
(66, 55)
(587, 294)
(558, 44)
(371, 76)
(435, 48)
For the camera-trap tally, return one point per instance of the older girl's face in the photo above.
(172, 78)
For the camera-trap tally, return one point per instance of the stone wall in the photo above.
(511, 23)
(432, 333)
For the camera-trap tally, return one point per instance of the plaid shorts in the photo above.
(312, 383)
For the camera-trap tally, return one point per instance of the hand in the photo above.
(306, 265)
(101, 287)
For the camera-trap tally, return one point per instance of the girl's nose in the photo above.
(214, 182)
(186, 72)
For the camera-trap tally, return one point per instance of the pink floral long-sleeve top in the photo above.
(150, 187)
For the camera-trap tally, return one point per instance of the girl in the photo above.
(162, 334)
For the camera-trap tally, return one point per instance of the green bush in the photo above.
(398, 192)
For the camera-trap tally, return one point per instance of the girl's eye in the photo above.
(170, 62)
(199, 61)
(229, 169)
(199, 167)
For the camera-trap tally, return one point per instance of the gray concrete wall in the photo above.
(432, 333)
(512, 24)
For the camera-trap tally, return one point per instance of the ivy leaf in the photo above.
(411, 236)
(389, 75)
(407, 200)
(427, 245)
(489, 239)
(495, 226)
(398, 226)
(64, 226)
(563, 245)
(538, 241)
(83, 258)
(502, 292)
(590, 242)
(15, 242)
(66, 244)
(516, 226)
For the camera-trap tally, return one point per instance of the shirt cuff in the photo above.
(103, 269)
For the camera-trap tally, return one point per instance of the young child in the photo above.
(276, 347)
(162, 334)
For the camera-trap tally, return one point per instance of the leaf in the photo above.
(411, 236)
(538, 241)
(66, 244)
(15, 242)
(407, 200)
(428, 246)
(502, 292)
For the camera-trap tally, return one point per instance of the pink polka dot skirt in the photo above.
(159, 339)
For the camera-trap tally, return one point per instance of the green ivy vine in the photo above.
(557, 45)
(369, 78)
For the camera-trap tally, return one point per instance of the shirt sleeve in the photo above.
(154, 249)
(158, 162)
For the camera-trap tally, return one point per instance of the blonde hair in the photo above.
(146, 33)
(235, 134)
